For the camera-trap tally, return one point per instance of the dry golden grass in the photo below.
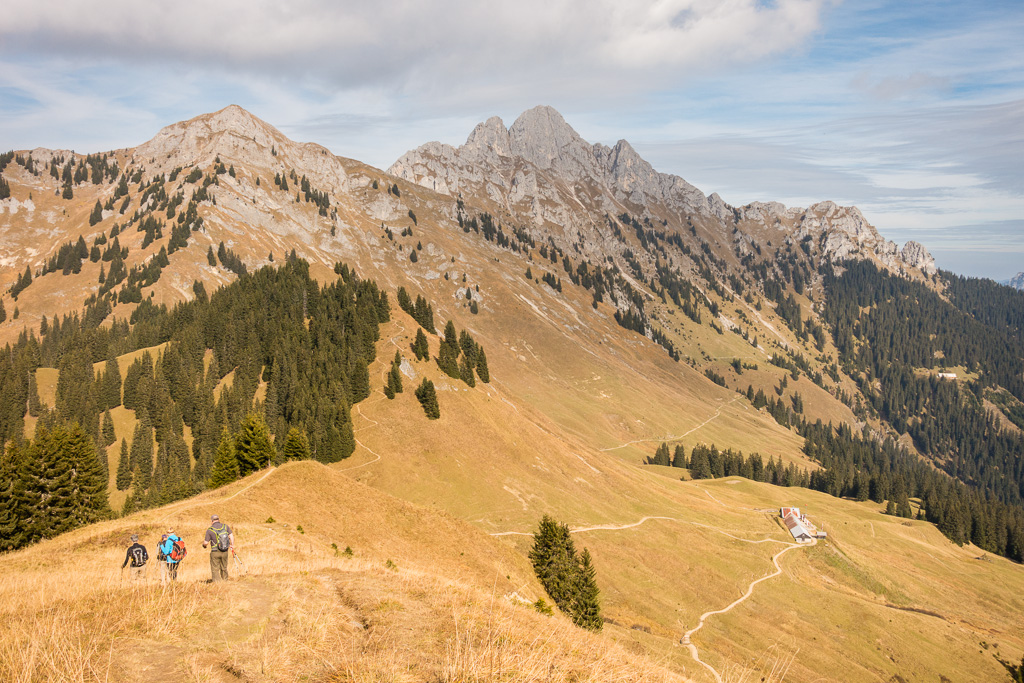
(424, 597)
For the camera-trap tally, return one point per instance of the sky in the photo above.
(912, 111)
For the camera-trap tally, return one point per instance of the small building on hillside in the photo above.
(786, 512)
(947, 375)
(801, 534)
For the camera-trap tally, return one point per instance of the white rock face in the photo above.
(916, 256)
(237, 136)
(504, 164)
(540, 167)
(1017, 282)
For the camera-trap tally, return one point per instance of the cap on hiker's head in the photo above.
(214, 518)
(135, 538)
(170, 530)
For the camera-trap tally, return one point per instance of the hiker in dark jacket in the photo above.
(221, 542)
(138, 556)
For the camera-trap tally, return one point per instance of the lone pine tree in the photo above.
(427, 397)
(567, 576)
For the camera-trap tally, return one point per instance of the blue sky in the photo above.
(913, 111)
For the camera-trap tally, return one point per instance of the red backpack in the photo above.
(178, 552)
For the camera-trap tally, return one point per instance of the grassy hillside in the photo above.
(438, 514)
(895, 594)
(423, 596)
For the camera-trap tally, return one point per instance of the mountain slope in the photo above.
(421, 592)
(620, 309)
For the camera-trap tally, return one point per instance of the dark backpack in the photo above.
(223, 540)
(178, 552)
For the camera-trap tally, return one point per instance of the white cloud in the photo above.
(542, 44)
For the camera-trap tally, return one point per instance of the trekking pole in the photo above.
(238, 561)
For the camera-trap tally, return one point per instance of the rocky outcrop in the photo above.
(237, 136)
(1017, 281)
(843, 233)
(504, 164)
(541, 168)
(916, 256)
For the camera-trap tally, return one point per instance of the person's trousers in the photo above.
(219, 564)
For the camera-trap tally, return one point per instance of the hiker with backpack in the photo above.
(172, 551)
(138, 556)
(221, 541)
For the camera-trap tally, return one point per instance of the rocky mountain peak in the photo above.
(1017, 281)
(542, 137)
(492, 135)
(190, 142)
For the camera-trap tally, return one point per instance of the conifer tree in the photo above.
(3, 312)
(108, 429)
(346, 440)
(448, 359)
(555, 562)
(142, 455)
(111, 392)
(428, 399)
(225, 464)
(679, 457)
(296, 446)
(12, 514)
(87, 497)
(466, 371)
(395, 375)
(451, 337)
(359, 381)
(124, 472)
(253, 446)
(481, 366)
(586, 610)
(35, 406)
(97, 214)
(661, 455)
(424, 315)
(700, 468)
(420, 347)
(204, 462)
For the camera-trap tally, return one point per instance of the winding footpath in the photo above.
(673, 437)
(687, 637)
(193, 503)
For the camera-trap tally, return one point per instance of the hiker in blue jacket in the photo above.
(165, 549)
